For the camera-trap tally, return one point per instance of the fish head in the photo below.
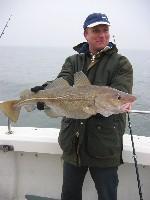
(120, 98)
(113, 101)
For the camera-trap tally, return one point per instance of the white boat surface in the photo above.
(34, 166)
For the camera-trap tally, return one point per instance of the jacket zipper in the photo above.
(77, 148)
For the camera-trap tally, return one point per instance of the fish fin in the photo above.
(25, 94)
(8, 108)
(105, 113)
(30, 108)
(89, 110)
(50, 112)
(102, 107)
(80, 79)
(58, 82)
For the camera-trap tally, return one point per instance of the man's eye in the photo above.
(98, 31)
(106, 30)
(95, 31)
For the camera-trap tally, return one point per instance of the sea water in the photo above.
(25, 67)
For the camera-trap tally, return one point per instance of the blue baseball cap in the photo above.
(95, 19)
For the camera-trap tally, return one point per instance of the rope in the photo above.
(135, 160)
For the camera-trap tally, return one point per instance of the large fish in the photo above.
(79, 101)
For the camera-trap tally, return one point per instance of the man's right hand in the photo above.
(40, 105)
(37, 88)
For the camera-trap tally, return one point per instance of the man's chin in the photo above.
(100, 47)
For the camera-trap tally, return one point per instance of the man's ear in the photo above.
(85, 33)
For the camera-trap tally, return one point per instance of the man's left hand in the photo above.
(126, 107)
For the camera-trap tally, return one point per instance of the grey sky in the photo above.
(59, 22)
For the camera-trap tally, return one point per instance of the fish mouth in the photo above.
(132, 99)
(129, 99)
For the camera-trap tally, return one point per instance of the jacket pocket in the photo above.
(66, 137)
(103, 138)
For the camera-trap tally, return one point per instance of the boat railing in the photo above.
(140, 111)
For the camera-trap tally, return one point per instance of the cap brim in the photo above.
(98, 23)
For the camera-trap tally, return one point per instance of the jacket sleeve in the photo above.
(123, 76)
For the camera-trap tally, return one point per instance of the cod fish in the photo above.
(79, 101)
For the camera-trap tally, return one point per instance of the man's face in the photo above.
(97, 37)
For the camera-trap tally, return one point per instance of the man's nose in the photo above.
(101, 34)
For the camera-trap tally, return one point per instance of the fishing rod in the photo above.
(135, 156)
(133, 149)
(6, 25)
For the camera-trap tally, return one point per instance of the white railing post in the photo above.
(9, 127)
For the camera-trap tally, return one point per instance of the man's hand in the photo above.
(126, 107)
(37, 88)
(40, 105)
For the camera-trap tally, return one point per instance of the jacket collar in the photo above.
(84, 48)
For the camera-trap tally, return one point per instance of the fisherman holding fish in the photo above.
(92, 93)
(96, 143)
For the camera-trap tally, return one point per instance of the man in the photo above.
(94, 144)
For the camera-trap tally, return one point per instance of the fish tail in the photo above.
(8, 108)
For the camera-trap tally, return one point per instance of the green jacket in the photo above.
(96, 141)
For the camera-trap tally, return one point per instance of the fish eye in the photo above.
(118, 97)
